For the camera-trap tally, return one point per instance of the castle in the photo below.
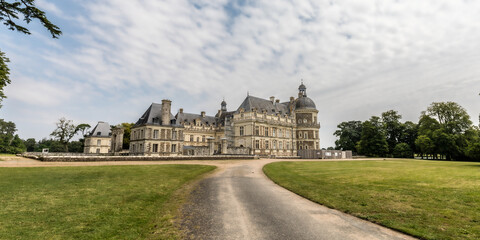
(265, 127)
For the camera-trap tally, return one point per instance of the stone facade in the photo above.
(259, 126)
(99, 139)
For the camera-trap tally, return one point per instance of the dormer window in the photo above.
(99, 133)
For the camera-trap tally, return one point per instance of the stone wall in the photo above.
(324, 154)
(135, 158)
(238, 151)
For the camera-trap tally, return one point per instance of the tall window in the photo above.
(266, 131)
(257, 144)
(174, 147)
(242, 131)
(99, 142)
(280, 132)
(274, 144)
(274, 132)
(280, 145)
(305, 135)
(257, 130)
(155, 134)
(198, 139)
(203, 138)
(191, 138)
(266, 144)
(155, 147)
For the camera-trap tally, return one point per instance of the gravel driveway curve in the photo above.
(240, 202)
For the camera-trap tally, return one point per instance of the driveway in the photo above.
(240, 202)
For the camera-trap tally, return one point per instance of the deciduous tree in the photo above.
(348, 133)
(373, 141)
(64, 132)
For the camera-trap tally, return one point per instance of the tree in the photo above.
(64, 132)
(373, 141)
(11, 11)
(349, 133)
(4, 75)
(30, 144)
(409, 134)
(83, 128)
(402, 150)
(393, 128)
(9, 141)
(126, 134)
(451, 116)
(425, 145)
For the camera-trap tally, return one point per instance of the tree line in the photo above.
(444, 131)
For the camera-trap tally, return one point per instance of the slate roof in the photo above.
(101, 130)
(190, 117)
(153, 115)
(260, 104)
(304, 103)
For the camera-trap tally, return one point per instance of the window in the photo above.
(141, 133)
(191, 138)
(257, 130)
(174, 147)
(274, 132)
(257, 144)
(266, 131)
(241, 131)
(274, 144)
(198, 139)
(280, 133)
(288, 145)
(280, 145)
(174, 135)
(155, 134)
(287, 134)
(305, 135)
(98, 150)
(140, 148)
(266, 144)
(306, 147)
(155, 147)
(203, 138)
(99, 133)
(99, 142)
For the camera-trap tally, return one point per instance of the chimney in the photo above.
(272, 99)
(166, 108)
(277, 101)
(202, 113)
(180, 110)
(292, 99)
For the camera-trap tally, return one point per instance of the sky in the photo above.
(357, 59)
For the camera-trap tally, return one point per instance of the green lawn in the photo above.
(108, 202)
(427, 199)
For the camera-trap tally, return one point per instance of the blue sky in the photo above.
(357, 58)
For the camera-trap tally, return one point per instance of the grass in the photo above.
(108, 202)
(426, 199)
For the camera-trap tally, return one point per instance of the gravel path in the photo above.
(240, 202)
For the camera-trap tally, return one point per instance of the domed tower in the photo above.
(224, 106)
(306, 118)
